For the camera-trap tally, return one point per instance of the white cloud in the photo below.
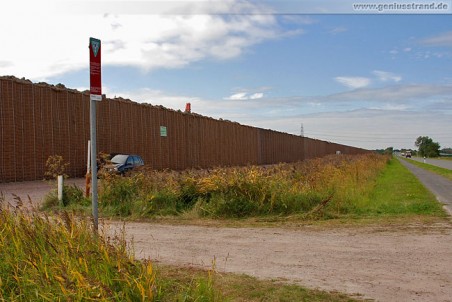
(338, 30)
(444, 39)
(238, 96)
(256, 96)
(243, 96)
(385, 76)
(43, 43)
(397, 107)
(405, 93)
(394, 52)
(353, 82)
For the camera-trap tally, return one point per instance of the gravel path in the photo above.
(382, 263)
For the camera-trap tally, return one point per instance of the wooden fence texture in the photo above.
(40, 120)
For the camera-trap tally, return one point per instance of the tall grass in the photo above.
(329, 187)
(332, 185)
(59, 259)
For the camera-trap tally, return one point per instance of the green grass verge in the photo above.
(398, 192)
(435, 169)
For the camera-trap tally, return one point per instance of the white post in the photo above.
(94, 164)
(60, 189)
(88, 161)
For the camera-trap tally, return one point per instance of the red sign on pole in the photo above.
(95, 69)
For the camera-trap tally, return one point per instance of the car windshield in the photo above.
(119, 159)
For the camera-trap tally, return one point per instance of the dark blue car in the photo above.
(123, 163)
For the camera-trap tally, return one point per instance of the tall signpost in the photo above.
(95, 96)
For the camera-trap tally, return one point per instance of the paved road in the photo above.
(446, 164)
(438, 185)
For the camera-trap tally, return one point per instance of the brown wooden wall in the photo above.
(39, 120)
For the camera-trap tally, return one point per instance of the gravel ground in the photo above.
(36, 190)
(382, 263)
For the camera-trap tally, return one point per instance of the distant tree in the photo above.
(380, 151)
(389, 150)
(446, 151)
(427, 147)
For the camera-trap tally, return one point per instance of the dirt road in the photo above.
(382, 263)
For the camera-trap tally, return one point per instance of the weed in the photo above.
(55, 166)
(72, 196)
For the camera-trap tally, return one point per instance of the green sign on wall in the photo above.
(163, 131)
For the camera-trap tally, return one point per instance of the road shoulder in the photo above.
(440, 186)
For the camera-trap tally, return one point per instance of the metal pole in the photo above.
(94, 164)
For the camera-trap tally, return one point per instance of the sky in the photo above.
(365, 78)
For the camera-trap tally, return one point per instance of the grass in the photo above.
(330, 188)
(398, 192)
(238, 288)
(60, 259)
(301, 188)
(435, 169)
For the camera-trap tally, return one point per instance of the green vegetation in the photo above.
(59, 259)
(324, 187)
(427, 147)
(332, 187)
(398, 192)
(435, 169)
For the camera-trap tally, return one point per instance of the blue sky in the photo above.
(361, 79)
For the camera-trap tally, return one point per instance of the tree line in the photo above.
(426, 147)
